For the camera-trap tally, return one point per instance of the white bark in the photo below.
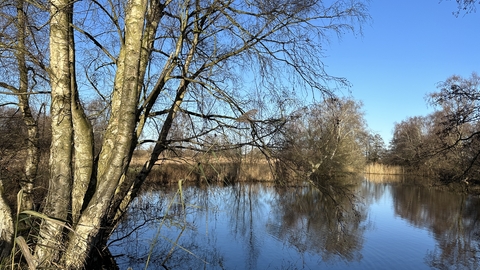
(119, 136)
(58, 200)
(6, 227)
(83, 141)
(31, 160)
(185, 63)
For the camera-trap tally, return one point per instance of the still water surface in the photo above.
(393, 225)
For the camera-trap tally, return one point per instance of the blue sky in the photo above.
(405, 50)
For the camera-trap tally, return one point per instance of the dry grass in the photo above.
(376, 168)
(384, 178)
(208, 167)
(189, 171)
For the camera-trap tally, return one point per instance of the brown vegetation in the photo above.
(444, 145)
(385, 178)
(383, 169)
(325, 138)
(229, 172)
(205, 168)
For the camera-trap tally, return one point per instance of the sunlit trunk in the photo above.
(83, 141)
(152, 16)
(32, 155)
(87, 195)
(124, 197)
(114, 159)
(6, 227)
(58, 200)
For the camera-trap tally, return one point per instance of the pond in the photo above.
(384, 225)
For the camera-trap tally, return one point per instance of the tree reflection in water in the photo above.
(260, 226)
(326, 219)
(257, 219)
(453, 218)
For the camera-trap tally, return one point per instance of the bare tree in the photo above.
(466, 6)
(23, 72)
(408, 142)
(458, 133)
(325, 138)
(446, 142)
(152, 61)
(374, 148)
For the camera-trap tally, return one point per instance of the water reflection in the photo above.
(453, 219)
(260, 226)
(327, 223)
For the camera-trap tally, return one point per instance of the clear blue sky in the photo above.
(408, 47)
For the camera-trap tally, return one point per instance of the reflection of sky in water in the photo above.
(247, 227)
(393, 243)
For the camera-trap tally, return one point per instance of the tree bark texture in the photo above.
(118, 139)
(187, 49)
(58, 200)
(83, 139)
(32, 157)
(6, 227)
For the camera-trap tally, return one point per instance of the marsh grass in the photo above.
(385, 178)
(377, 168)
(22, 244)
(26, 228)
(221, 172)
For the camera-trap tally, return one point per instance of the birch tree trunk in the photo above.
(32, 157)
(6, 227)
(88, 194)
(117, 148)
(58, 199)
(82, 136)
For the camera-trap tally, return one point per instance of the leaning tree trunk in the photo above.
(83, 140)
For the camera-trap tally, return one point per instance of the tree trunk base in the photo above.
(101, 259)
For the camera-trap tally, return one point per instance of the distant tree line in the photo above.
(445, 144)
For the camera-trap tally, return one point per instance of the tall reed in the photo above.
(377, 168)
(211, 172)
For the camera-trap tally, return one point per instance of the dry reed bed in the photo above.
(385, 178)
(210, 172)
(376, 168)
(218, 169)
